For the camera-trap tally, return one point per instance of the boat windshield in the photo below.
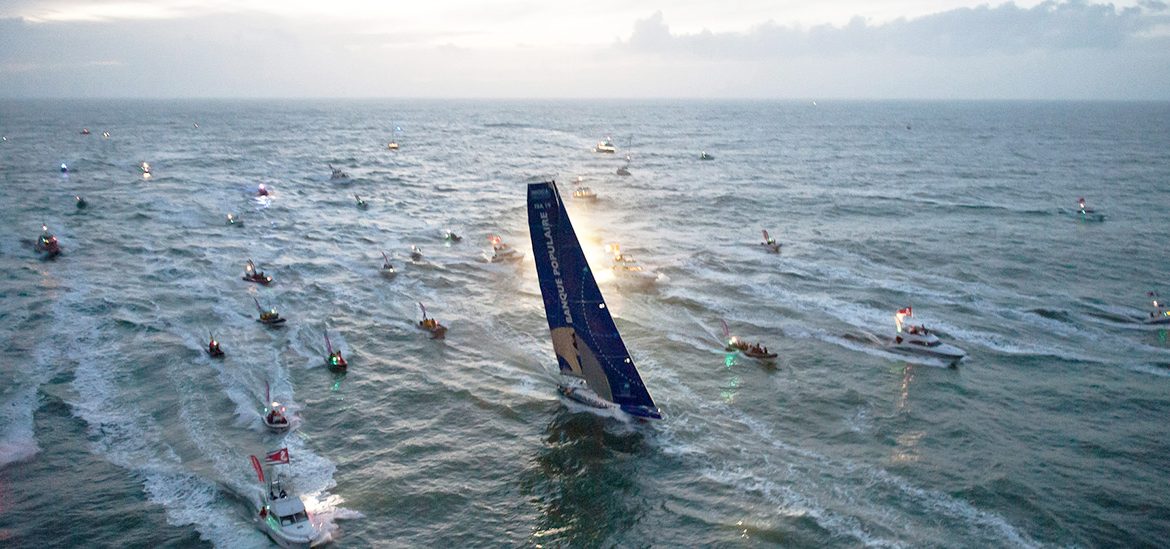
(294, 518)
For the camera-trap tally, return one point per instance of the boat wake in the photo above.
(846, 498)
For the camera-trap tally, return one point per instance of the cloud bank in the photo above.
(982, 30)
(1054, 50)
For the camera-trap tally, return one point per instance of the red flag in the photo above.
(256, 466)
(279, 456)
(908, 311)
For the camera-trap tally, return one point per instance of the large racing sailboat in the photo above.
(596, 368)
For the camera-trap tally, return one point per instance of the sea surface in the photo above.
(117, 429)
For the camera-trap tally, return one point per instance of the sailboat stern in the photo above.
(647, 412)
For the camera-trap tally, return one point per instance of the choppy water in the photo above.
(116, 429)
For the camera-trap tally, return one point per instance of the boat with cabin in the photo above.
(281, 514)
(917, 339)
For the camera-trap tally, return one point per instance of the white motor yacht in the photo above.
(917, 339)
(284, 518)
(280, 513)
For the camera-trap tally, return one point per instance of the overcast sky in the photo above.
(796, 49)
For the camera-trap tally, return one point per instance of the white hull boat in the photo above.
(917, 339)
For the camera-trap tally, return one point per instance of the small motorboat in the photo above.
(360, 203)
(751, 350)
(144, 166)
(605, 146)
(275, 415)
(1088, 214)
(105, 135)
(1159, 314)
(415, 253)
(252, 275)
(917, 339)
(438, 331)
(270, 317)
(281, 514)
(393, 146)
(85, 131)
(275, 419)
(213, 348)
(451, 237)
(334, 361)
(64, 168)
(235, 219)
(584, 193)
(502, 252)
(387, 269)
(81, 203)
(337, 173)
(770, 243)
(625, 267)
(704, 156)
(47, 244)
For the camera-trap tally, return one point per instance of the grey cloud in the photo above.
(1003, 29)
